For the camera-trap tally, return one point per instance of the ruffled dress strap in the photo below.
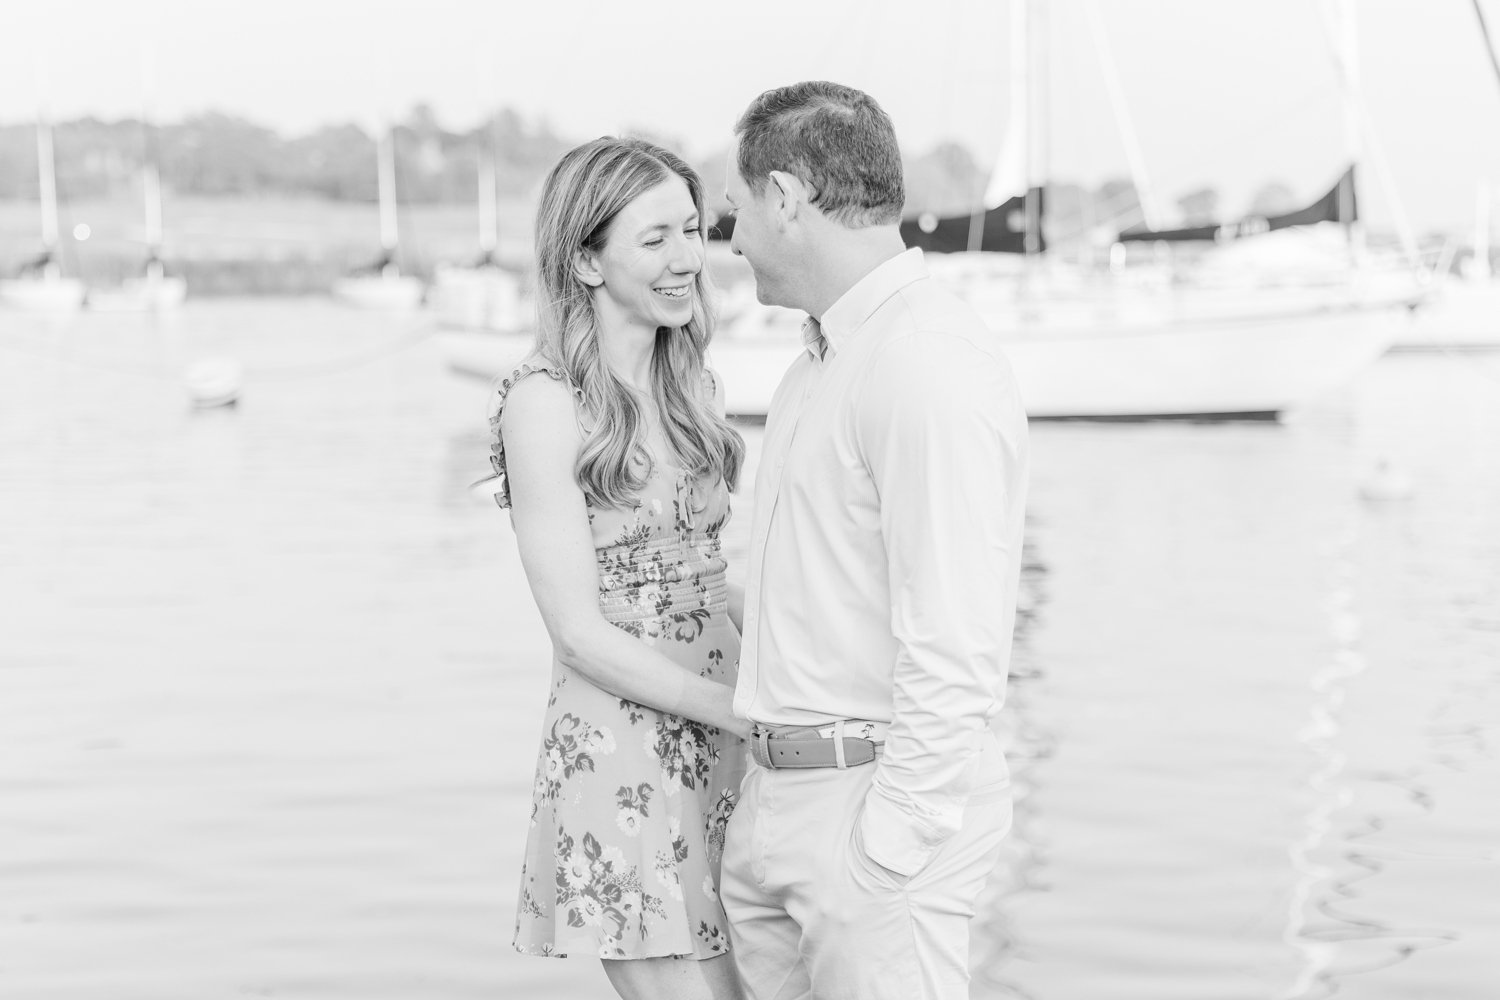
(499, 483)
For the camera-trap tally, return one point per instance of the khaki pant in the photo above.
(811, 916)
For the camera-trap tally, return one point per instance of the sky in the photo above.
(1224, 93)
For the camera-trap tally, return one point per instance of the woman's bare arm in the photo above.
(736, 598)
(552, 531)
(737, 606)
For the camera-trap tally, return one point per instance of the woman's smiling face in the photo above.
(646, 273)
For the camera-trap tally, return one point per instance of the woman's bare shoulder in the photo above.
(537, 391)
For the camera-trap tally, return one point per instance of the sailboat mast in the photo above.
(487, 210)
(1034, 33)
(152, 180)
(1489, 41)
(1481, 266)
(386, 187)
(1343, 32)
(1145, 191)
(151, 156)
(46, 172)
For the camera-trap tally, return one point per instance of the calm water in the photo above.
(270, 686)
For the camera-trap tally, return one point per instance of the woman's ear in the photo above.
(586, 267)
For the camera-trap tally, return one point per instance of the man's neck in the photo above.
(842, 259)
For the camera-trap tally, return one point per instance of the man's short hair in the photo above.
(833, 138)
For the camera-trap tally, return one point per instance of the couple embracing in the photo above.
(809, 812)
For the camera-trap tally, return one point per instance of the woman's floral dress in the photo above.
(630, 804)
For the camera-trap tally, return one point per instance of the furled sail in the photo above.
(1338, 205)
(1001, 229)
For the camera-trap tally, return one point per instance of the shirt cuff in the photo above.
(894, 838)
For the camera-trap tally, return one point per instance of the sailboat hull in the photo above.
(393, 292)
(56, 295)
(1463, 316)
(140, 295)
(1256, 366)
(476, 298)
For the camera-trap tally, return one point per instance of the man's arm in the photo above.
(944, 439)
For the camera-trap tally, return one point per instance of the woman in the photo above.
(617, 465)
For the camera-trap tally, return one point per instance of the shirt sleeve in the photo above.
(943, 437)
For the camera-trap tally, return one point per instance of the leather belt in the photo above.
(822, 746)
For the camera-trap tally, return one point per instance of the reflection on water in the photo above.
(271, 681)
(998, 935)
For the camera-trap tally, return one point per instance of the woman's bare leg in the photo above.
(674, 978)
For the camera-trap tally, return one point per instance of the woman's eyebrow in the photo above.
(665, 225)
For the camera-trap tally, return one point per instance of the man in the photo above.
(884, 560)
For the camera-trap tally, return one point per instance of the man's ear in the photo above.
(792, 196)
(586, 267)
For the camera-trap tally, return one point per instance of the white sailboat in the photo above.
(1097, 345)
(1086, 349)
(1465, 311)
(41, 285)
(381, 285)
(154, 289)
(481, 296)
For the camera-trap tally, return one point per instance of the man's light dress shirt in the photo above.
(885, 548)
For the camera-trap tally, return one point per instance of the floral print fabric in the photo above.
(629, 804)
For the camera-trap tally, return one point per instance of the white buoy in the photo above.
(213, 382)
(1386, 483)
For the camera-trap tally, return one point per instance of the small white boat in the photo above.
(388, 290)
(752, 366)
(42, 293)
(154, 291)
(484, 354)
(482, 297)
(1463, 314)
(382, 285)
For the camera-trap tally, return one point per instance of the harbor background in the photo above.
(273, 685)
(270, 676)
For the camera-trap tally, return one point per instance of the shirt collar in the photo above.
(868, 294)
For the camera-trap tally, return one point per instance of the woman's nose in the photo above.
(688, 257)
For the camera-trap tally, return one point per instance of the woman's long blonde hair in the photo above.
(585, 191)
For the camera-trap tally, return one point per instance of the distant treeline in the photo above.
(218, 154)
(223, 155)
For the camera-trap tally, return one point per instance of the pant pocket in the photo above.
(865, 869)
